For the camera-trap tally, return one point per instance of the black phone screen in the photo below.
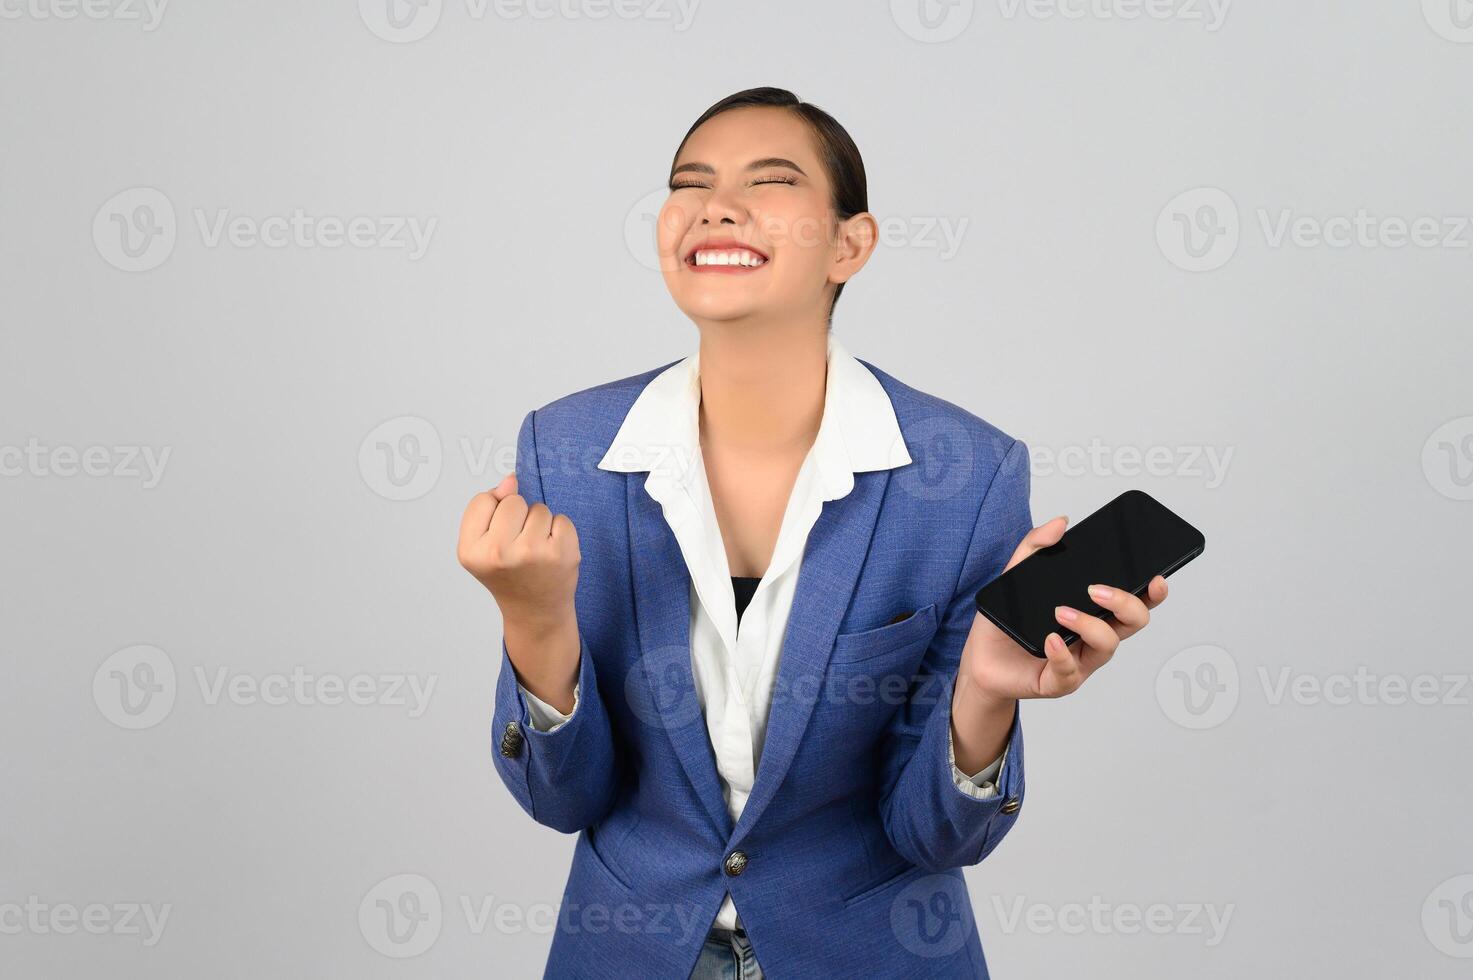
(1124, 544)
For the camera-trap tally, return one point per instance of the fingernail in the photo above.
(1066, 614)
(1101, 591)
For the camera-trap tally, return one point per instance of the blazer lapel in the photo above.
(664, 695)
(832, 558)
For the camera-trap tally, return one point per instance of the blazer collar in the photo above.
(858, 432)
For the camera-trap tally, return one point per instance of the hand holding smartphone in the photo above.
(1124, 544)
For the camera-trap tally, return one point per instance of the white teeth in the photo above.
(736, 257)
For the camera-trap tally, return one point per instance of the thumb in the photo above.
(505, 488)
(1046, 534)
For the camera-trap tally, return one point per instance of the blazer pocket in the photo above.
(913, 871)
(601, 863)
(853, 648)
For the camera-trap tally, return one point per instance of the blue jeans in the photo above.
(727, 956)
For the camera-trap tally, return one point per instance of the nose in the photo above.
(722, 207)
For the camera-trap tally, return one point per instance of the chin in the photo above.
(707, 307)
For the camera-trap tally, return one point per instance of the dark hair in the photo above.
(835, 147)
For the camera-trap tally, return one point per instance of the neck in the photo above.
(762, 385)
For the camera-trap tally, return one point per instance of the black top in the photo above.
(743, 586)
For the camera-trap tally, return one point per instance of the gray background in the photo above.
(1334, 835)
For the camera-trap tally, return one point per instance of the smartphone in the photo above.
(1124, 544)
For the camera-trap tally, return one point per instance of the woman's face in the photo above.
(749, 228)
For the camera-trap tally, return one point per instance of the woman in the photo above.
(741, 656)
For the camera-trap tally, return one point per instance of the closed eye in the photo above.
(765, 180)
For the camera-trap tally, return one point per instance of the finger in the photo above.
(1155, 592)
(564, 533)
(507, 521)
(1062, 663)
(1129, 612)
(1047, 533)
(1093, 632)
(477, 518)
(538, 525)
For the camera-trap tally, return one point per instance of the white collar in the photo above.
(858, 431)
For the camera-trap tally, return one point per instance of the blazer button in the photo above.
(1012, 805)
(736, 863)
(511, 740)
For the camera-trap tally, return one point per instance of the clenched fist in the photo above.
(528, 558)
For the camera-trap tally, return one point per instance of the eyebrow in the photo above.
(763, 164)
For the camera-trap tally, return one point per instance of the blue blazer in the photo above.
(854, 834)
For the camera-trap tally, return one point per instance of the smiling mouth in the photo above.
(725, 260)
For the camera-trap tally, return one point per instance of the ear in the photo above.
(854, 242)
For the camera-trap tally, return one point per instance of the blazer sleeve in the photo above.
(566, 778)
(929, 819)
